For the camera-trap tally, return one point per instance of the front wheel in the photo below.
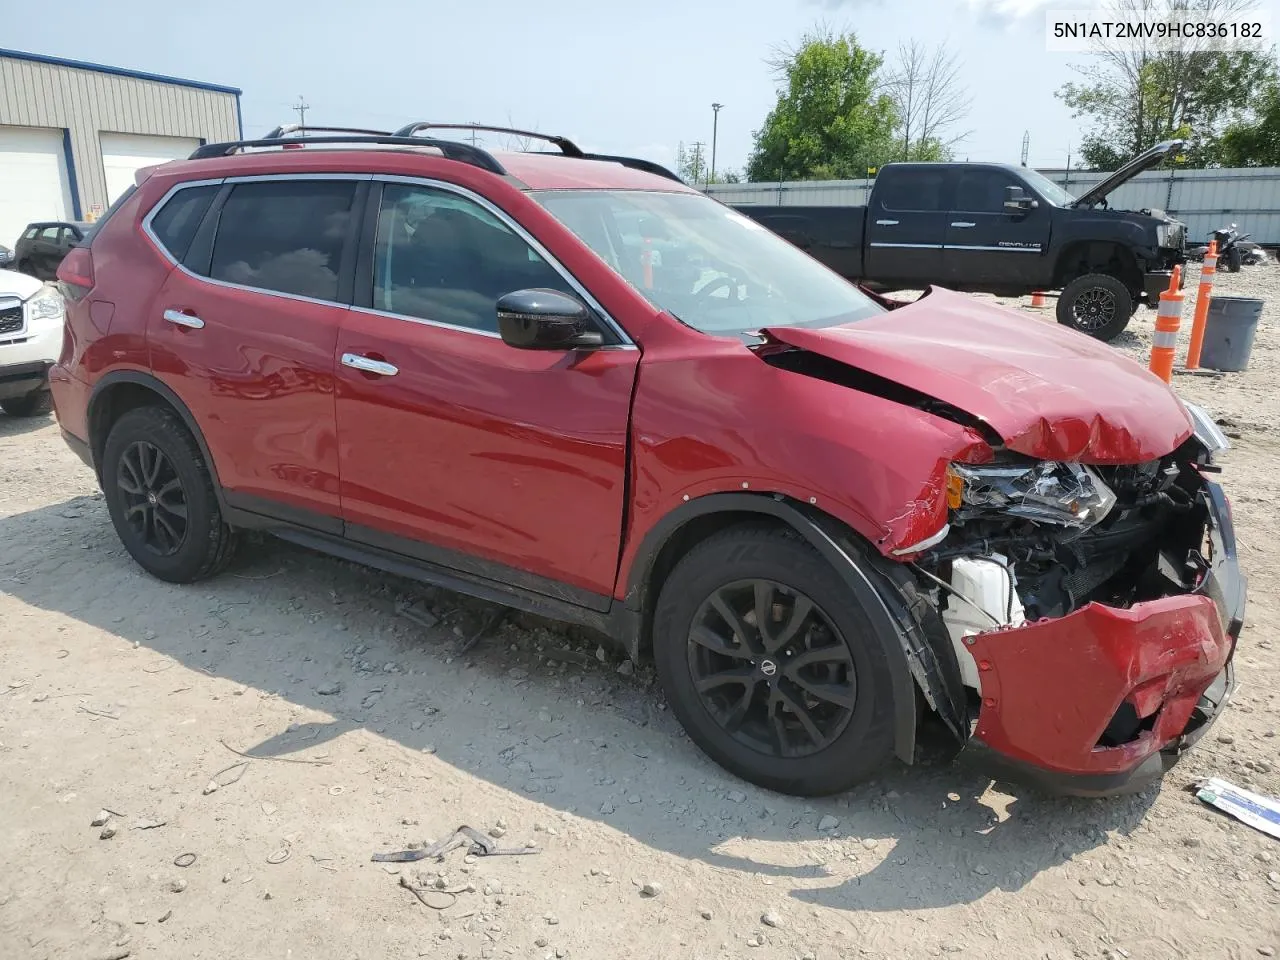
(771, 665)
(1233, 260)
(1096, 304)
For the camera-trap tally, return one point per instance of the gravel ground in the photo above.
(366, 730)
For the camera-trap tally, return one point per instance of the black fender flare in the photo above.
(165, 392)
(913, 660)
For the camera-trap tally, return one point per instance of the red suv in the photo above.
(571, 384)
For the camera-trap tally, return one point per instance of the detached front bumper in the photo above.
(1051, 689)
(1155, 282)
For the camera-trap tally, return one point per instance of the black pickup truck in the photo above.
(997, 229)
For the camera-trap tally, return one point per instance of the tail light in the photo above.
(75, 273)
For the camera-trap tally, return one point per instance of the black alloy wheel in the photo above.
(772, 669)
(1094, 309)
(155, 503)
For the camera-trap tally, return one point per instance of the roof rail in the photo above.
(289, 129)
(451, 149)
(635, 163)
(567, 146)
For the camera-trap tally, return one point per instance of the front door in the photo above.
(989, 245)
(244, 332)
(460, 450)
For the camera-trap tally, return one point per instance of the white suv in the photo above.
(31, 315)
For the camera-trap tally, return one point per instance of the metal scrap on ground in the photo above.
(482, 845)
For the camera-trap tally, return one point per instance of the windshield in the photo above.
(709, 266)
(1047, 188)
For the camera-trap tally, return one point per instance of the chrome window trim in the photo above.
(518, 230)
(186, 184)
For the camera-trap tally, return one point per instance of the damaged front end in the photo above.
(1092, 610)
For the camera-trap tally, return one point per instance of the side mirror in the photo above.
(1015, 198)
(545, 320)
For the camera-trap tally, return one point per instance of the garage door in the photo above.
(33, 179)
(123, 154)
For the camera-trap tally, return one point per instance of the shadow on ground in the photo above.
(17, 426)
(570, 731)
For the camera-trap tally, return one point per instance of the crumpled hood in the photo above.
(1050, 392)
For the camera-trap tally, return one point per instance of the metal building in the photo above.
(72, 134)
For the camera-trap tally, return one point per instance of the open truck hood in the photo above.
(1143, 161)
(1049, 392)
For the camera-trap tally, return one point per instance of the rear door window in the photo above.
(913, 191)
(50, 234)
(284, 235)
(174, 224)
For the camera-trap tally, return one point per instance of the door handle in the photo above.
(184, 319)
(886, 223)
(357, 362)
(963, 223)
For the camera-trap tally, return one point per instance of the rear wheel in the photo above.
(770, 664)
(36, 404)
(161, 498)
(1233, 260)
(1096, 304)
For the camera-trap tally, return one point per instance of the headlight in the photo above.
(46, 305)
(1064, 494)
(1206, 430)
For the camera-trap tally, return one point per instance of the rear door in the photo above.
(987, 244)
(45, 256)
(907, 225)
(456, 448)
(245, 330)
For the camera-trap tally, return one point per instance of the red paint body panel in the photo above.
(1048, 391)
(516, 456)
(710, 416)
(1050, 688)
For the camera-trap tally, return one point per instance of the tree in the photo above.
(1255, 142)
(929, 99)
(831, 119)
(690, 163)
(1141, 93)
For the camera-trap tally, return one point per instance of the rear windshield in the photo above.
(91, 229)
(709, 266)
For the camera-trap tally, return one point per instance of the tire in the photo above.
(37, 404)
(1097, 305)
(857, 737)
(165, 544)
(1233, 259)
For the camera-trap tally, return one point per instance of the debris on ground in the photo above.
(482, 845)
(435, 899)
(186, 860)
(1258, 811)
(651, 890)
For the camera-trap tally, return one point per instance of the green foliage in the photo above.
(1255, 142)
(831, 120)
(1134, 99)
(691, 164)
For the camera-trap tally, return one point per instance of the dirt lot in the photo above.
(370, 732)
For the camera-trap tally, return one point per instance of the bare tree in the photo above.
(929, 99)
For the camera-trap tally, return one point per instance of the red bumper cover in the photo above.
(1049, 689)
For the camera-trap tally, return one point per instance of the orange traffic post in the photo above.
(1202, 305)
(1168, 319)
(1038, 302)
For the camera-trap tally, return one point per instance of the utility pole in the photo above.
(1067, 184)
(302, 107)
(473, 133)
(715, 130)
(698, 169)
(1026, 146)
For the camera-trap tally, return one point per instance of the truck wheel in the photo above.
(1096, 304)
(770, 665)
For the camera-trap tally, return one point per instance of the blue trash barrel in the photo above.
(1228, 333)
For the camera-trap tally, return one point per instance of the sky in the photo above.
(617, 77)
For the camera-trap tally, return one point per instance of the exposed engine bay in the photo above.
(1032, 540)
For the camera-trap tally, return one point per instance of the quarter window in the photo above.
(442, 257)
(176, 222)
(284, 235)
